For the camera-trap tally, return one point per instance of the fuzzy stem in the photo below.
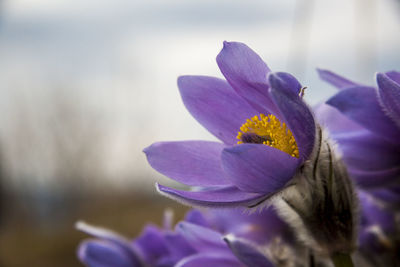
(342, 260)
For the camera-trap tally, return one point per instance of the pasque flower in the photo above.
(271, 146)
(365, 121)
(379, 232)
(266, 131)
(200, 240)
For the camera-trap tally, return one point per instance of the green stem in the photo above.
(342, 260)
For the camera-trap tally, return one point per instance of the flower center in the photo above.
(268, 130)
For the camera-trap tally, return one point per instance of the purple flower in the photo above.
(201, 239)
(378, 232)
(266, 131)
(365, 121)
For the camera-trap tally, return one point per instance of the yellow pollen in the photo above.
(268, 130)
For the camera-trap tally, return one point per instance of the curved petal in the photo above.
(389, 93)
(284, 81)
(394, 75)
(98, 253)
(247, 73)
(215, 105)
(194, 163)
(375, 179)
(299, 119)
(366, 151)
(361, 105)
(228, 196)
(335, 79)
(118, 242)
(247, 253)
(208, 259)
(258, 168)
(201, 238)
(332, 119)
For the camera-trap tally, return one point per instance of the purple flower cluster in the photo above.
(292, 197)
(214, 238)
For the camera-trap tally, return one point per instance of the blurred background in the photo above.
(87, 84)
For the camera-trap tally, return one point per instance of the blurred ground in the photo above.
(26, 242)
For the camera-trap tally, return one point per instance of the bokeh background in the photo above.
(87, 84)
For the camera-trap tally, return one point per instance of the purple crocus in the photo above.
(365, 121)
(266, 131)
(201, 239)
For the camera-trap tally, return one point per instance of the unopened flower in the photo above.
(365, 121)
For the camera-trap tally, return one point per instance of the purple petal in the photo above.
(178, 246)
(366, 151)
(388, 196)
(102, 233)
(335, 79)
(258, 168)
(111, 237)
(228, 196)
(208, 259)
(298, 117)
(389, 93)
(247, 253)
(151, 244)
(361, 105)
(334, 120)
(394, 75)
(215, 105)
(97, 253)
(284, 81)
(201, 238)
(374, 214)
(196, 217)
(247, 73)
(374, 179)
(194, 163)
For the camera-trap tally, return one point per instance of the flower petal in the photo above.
(394, 75)
(208, 259)
(284, 81)
(201, 238)
(215, 105)
(258, 168)
(102, 233)
(98, 253)
(366, 151)
(152, 244)
(247, 253)
(332, 119)
(335, 79)
(389, 93)
(247, 73)
(375, 179)
(194, 163)
(228, 196)
(298, 117)
(111, 239)
(361, 105)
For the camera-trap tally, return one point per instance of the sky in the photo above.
(96, 79)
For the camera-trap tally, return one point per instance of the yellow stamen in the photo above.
(268, 130)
